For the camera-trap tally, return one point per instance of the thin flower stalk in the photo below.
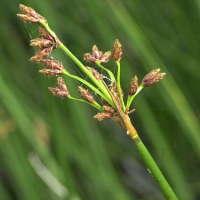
(112, 77)
(117, 55)
(119, 87)
(89, 85)
(130, 98)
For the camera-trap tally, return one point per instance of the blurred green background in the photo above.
(51, 148)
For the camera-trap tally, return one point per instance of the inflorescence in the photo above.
(112, 96)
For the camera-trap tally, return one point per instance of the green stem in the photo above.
(107, 96)
(94, 104)
(107, 70)
(119, 87)
(154, 170)
(130, 98)
(86, 83)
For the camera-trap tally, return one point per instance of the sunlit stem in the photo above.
(119, 87)
(130, 98)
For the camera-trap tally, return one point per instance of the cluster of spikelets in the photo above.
(115, 108)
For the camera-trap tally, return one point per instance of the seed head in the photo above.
(109, 109)
(85, 94)
(103, 115)
(40, 54)
(52, 64)
(97, 56)
(60, 91)
(153, 77)
(51, 72)
(94, 73)
(134, 86)
(52, 37)
(30, 15)
(41, 43)
(117, 51)
(45, 34)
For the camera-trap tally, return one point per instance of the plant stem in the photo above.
(154, 170)
(119, 87)
(130, 98)
(107, 70)
(86, 83)
(81, 66)
(94, 104)
(84, 69)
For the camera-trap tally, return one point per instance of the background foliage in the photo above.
(97, 160)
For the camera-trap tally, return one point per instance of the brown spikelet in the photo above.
(116, 51)
(45, 34)
(52, 64)
(109, 109)
(41, 43)
(97, 56)
(31, 15)
(40, 54)
(85, 94)
(153, 77)
(27, 18)
(94, 73)
(103, 115)
(49, 36)
(51, 72)
(60, 91)
(133, 86)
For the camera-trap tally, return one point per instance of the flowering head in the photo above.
(112, 105)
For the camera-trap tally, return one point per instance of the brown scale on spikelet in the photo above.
(30, 15)
(40, 54)
(94, 73)
(51, 72)
(153, 77)
(60, 91)
(116, 51)
(41, 43)
(52, 64)
(133, 86)
(97, 56)
(103, 115)
(85, 94)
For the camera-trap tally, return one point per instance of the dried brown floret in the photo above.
(60, 91)
(41, 43)
(94, 73)
(30, 15)
(52, 64)
(117, 52)
(103, 115)
(51, 72)
(85, 94)
(97, 56)
(40, 54)
(109, 109)
(134, 86)
(153, 77)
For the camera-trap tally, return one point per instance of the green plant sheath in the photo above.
(154, 170)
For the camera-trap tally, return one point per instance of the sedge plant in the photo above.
(113, 105)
